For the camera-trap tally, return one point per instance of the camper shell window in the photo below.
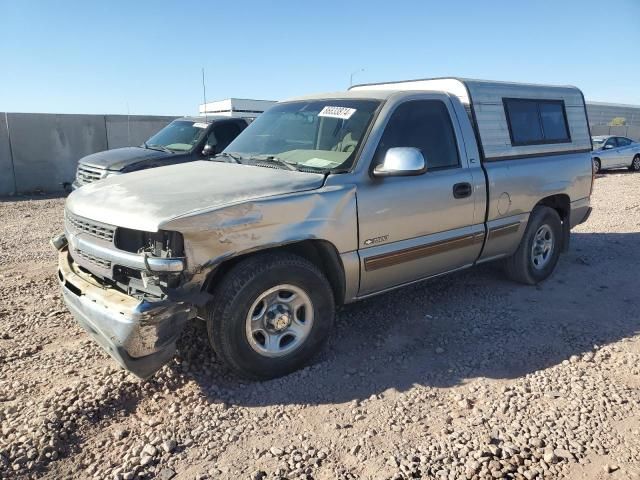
(536, 122)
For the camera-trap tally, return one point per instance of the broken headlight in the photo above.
(162, 244)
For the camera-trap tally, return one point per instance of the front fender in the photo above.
(328, 213)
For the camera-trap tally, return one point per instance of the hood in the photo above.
(147, 199)
(119, 158)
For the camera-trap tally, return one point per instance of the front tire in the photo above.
(269, 315)
(597, 166)
(539, 250)
(635, 164)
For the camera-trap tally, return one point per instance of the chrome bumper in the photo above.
(139, 334)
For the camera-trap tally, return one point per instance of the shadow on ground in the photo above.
(442, 332)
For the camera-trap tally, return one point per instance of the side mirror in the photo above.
(608, 146)
(401, 162)
(209, 150)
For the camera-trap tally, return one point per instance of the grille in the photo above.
(105, 232)
(87, 174)
(94, 260)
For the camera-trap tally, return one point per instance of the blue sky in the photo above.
(97, 57)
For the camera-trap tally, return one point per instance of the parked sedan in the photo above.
(615, 152)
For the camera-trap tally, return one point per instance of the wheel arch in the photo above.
(322, 253)
(561, 203)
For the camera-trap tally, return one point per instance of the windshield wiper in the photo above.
(234, 156)
(276, 160)
(159, 148)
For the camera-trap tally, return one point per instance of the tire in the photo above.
(596, 165)
(279, 289)
(635, 164)
(531, 266)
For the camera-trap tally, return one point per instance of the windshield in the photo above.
(598, 142)
(178, 136)
(316, 134)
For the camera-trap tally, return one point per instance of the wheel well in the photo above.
(561, 204)
(319, 252)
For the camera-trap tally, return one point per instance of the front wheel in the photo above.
(270, 314)
(596, 166)
(539, 250)
(635, 164)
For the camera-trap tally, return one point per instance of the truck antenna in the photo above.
(128, 126)
(204, 96)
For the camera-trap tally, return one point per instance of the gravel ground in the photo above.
(469, 376)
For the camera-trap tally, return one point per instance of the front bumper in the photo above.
(141, 335)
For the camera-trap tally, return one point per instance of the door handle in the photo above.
(462, 190)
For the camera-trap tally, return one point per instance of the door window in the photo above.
(224, 134)
(425, 125)
(612, 141)
(623, 142)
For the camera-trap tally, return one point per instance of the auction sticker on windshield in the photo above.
(200, 125)
(337, 112)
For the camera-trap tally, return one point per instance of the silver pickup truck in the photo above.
(325, 200)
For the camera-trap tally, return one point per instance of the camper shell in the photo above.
(486, 104)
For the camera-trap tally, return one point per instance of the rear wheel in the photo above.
(635, 164)
(539, 250)
(596, 165)
(269, 315)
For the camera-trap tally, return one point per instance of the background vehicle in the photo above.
(183, 140)
(324, 200)
(615, 152)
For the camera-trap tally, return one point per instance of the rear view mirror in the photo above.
(608, 146)
(401, 161)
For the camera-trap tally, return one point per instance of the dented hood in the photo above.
(147, 199)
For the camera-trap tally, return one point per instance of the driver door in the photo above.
(413, 227)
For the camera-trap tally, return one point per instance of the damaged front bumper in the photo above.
(140, 334)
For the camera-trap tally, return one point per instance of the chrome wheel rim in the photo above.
(596, 166)
(636, 163)
(542, 248)
(279, 320)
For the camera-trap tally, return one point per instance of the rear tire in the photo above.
(635, 164)
(269, 315)
(596, 166)
(539, 250)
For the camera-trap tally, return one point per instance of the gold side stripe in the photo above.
(504, 230)
(414, 253)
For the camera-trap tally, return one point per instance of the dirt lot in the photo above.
(469, 376)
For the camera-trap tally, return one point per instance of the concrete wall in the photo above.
(602, 113)
(7, 179)
(41, 151)
(125, 131)
(622, 131)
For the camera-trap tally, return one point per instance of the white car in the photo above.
(610, 151)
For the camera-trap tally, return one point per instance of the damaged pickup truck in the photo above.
(325, 200)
